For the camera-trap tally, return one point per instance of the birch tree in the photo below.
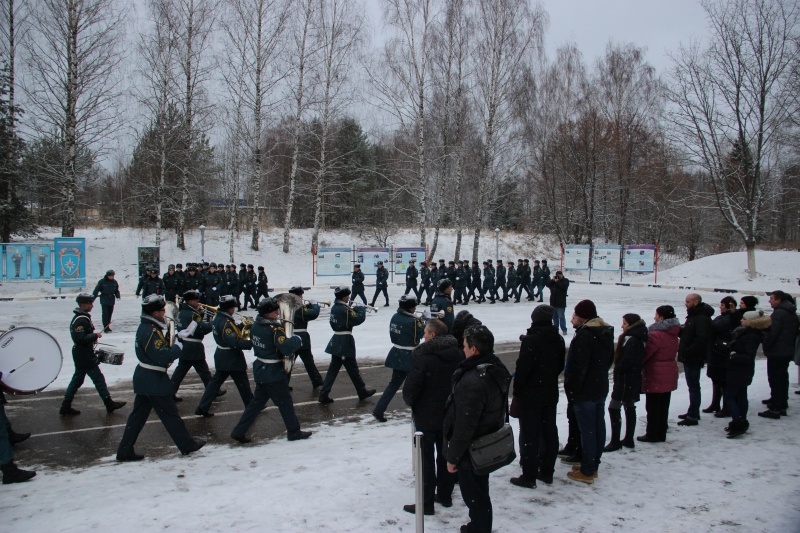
(73, 87)
(254, 34)
(731, 98)
(507, 31)
(305, 46)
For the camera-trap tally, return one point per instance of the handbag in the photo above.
(493, 451)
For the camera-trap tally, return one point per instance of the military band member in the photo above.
(442, 302)
(261, 286)
(84, 338)
(172, 284)
(270, 346)
(108, 289)
(425, 283)
(412, 274)
(229, 358)
(152, 386)
(342, 345)
(302, 317)
(405, 331)
(357, 288)
(381, 284)
(191, 330)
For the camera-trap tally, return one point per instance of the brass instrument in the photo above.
(171, 316)
(321, 304)
(288, 303)
(247, 323)
(208, 310)
(367, 307)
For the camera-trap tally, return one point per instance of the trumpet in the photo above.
(367, 307)
(306, 303)
(209, 311)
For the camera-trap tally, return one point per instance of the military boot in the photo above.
(111, 405)
(13, 474)
(67, 410)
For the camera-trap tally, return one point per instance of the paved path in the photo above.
(93, 436)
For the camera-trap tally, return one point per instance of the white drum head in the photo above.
(30, 360)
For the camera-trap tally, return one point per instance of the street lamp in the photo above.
(497, 242)
(202, 242)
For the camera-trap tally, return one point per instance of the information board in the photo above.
(369, 257)
(403, 256)
(333, 261)
(606, 257)
(70, 266)
(576, 257)
(640, 258)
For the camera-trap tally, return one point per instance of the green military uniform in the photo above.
(342, 348)
(193, 354)
(405, 331)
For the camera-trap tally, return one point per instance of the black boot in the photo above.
(13, 474)
(67, 410)
(16, 438)
(616, 426)
(111, 405)
(630, 426)
(715, 399)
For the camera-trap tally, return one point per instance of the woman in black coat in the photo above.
(741, 367)
(628, 358)
(721, 327)
(541, 361)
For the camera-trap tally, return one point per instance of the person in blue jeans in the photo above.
(559, 286)
(590, 356)
(696, 337)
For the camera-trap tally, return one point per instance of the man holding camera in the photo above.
(558, 299)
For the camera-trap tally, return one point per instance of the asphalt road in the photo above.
(93, 436)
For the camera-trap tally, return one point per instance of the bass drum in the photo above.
(30, 360)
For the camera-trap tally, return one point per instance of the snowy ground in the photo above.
(354, 474)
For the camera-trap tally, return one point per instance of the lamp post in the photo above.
(202, 242)
(497, 242)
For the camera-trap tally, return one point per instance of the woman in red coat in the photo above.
(660, 372)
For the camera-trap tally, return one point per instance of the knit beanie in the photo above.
(542, 314)
(586, 309)
(750, 301)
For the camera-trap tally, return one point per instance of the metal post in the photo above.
(497, 243)
(419, 483)
(203, 242)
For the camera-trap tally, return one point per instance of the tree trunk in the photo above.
(750, 246)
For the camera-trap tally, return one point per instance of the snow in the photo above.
(355, 474)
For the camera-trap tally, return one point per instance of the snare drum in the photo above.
(30, 360)
(110, 357)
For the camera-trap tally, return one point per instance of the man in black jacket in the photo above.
(426, 390)
(779, 344)
(591, 353)
(696, 336)
(475, 408)
(381, 284)
(108, 290)
(558, 300)
(540, 362)
(357, 285)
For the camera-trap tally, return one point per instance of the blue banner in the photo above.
(70, 262)
(403, 256)
(333, 261)
(576, 257)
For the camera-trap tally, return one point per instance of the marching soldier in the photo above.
(524, 278)
(411, 278)
(261, 285)
(251, 279)
(462, 277)
(545, 277)
(191, 330)
(488, 282)
(302, 317)
(192, 282)
(443, 303)
(381, 283)
(342, 346)
(451, 272)
(172, 284)
(151, 385)
(108, 289)
(425, 283)
(84, 338)
(212, 284)
(537, 278)
(241, 287)
(500, 281)
(476, 282)
(228, 357)
(434, 282)
(357, 285)
(270, 346)
(405, 331)
(151, 284)
(511, 284)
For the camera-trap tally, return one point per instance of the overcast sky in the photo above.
(659, 25)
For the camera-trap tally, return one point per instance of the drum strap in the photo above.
(152, 367)
(269, 361)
